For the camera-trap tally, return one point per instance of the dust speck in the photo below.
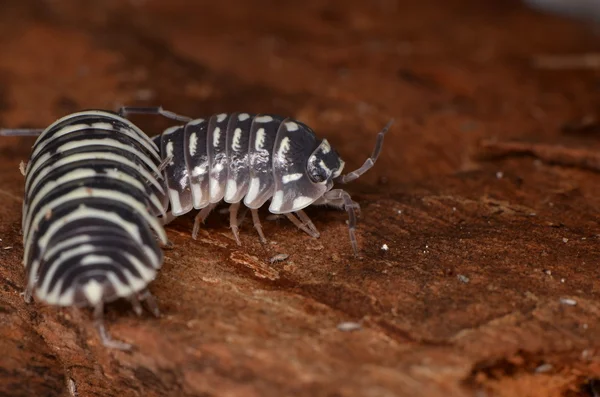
(279, 258)
(463, 279)
(543, 368)
(349, 326)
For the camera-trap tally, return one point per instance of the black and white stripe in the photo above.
(93, 191)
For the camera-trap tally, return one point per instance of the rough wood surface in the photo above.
(487, 256)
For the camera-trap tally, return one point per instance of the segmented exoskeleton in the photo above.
(253, 158)
(93, 191)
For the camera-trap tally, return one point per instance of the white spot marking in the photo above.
(263, 119)
(253, 190)
(184, 180)
(197, 195)
(385, 247)
(176, 207)
(218, 168)
(277, 200)
(325, 146)
(291, 126)
(231, 190)
(216, 136)
(93, 291)
(291, 177)
(193, 143)
(260, 139)
(237, 135)
(243, 116)
(214, 188)
(284, 146)
(301, 202)
(323, 166)
(200, 170)
(170, 152)
(221, 117)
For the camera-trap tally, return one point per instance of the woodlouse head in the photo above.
(324, 164)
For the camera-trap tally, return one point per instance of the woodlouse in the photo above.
(253, 158)
(93, 191)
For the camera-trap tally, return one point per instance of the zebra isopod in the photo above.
(251, 159)
(93, 191)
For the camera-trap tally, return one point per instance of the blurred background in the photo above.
(450, 72)
(587, 10)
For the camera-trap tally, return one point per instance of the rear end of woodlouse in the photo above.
(93, 191)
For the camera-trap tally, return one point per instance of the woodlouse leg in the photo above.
(168, 219)
(242, 216)
(307, 222)
(161, 167)
(168, 246)
(163, 164)
(371, 160)
(136, 305)
(27, 294)
(356, 208)
(164, 221)
(147, 297)
(23, 167)
(20, 131)
(335, 196)
(200, 218)
(257, 225)
(28, 291)
(301, 226)
(233, 221)
(158, 110)
(104, 335)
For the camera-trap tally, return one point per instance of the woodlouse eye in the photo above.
(318, 175)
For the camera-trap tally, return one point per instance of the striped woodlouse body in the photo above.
(93, 191)
(251, 159)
